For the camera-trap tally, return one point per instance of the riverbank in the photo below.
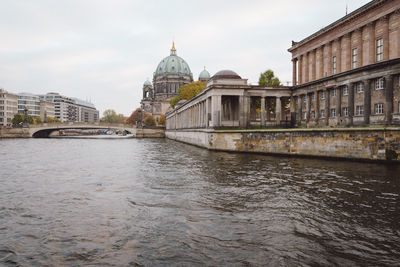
(372, 143)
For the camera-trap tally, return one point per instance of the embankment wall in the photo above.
(351, 143)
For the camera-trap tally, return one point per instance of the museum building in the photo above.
(348, 72)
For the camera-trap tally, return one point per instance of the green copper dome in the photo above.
(147, 82)
(204, 75)
(173, 65)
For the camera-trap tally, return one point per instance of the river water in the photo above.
(156, 202)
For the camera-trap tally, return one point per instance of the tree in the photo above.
(132, 119)
(110, 116)
(38, 119)
(187, 92)
(18, 119)
(149, 120)
(268, 79)
(52, 120)
(162, 120)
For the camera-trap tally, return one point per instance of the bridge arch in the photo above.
(44, 132)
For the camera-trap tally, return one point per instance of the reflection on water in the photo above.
(158, 202)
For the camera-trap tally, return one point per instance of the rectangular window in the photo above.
(312, 96)
(304, 115)
(313, 114)
(305, 99)
(334, 92)
(333, 113)
(322, 94)
(345, 90)
(379, 49)
(322, 113)
(379, 84)
(360, 110)
(360, 87)
(346, 111)
(334, 65)
(378, 108)
(354, 62)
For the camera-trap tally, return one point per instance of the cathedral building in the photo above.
(171, 73)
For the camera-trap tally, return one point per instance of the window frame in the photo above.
(354, 57)
(379, 49)
(334, 65)
(346, 111)
(333, 93)
(360, 88)
(345, 90)
(333, 112)
(360, 110)
(322, 113)
(380, 84)
(323, 96)
(379, 109)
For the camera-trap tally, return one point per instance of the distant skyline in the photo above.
(104, 51)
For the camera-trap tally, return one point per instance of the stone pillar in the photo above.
(314, 65)
(385, 36)
(348, 54)
(294, 76)
(371, 43)
(268, 115)
(299, 109)
(278, 110)
(359, 48)
(300, 70)
(329, 66)
(308, 107)
(388, 107)
(317, 106)
(292, 111)
(327, 105)
(207, 112)
(244, 106)
(262, 111)
(339, 55)
(216, 110)
(350, 86)
(339, 103)
(321, 62)
(367, 101)
(307, 68)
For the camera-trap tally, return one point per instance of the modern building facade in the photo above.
(47, 109)
(8, 107)
(72, 109)
(30, 102)
(348, 72)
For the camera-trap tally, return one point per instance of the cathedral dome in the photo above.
(204, 75)
(226, 74)
(173, 65)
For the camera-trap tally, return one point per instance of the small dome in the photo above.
(204, 75)
(147, 83)
(226, 74)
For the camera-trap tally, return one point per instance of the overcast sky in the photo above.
(103, 51)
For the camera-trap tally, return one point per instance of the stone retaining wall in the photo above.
(353, 143)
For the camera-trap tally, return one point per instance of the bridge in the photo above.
(44, 130)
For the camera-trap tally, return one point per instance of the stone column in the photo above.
(207, 111)
(292, 111)
(308, 107)
(359, 48)
(294, 76)
(367, 101)
(327, 105)
(351, 102)
(321, 62)
(317, 99)
(385, 20)
(388, 108)
(314, 65)
(262, 111)
(307, 68)
(268, 115)
(244, 107)
(216, 110)
(339, 55)
(299, 109)
(300, 70)
(371, 43)
(278, 110)
(329, 63)
(348, 52)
